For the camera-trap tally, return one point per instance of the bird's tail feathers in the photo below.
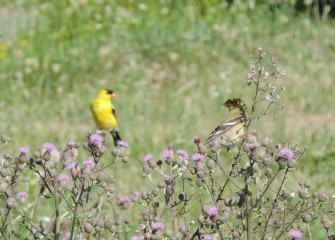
(116, 137)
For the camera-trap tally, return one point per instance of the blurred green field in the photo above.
(172, 64)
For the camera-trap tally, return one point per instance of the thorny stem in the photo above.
(274, 202)
(217, 160)
(57, 223)
(298, 215)
(220, 232)
(209, 192)
(231, 171)
(4, 223)
(268, 185)
(247, 211)
(19, 207)
(196, 233)
(44, 181)
(107, 166)
(174, 222)
(75, 211)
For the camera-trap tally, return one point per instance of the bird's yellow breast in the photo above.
(102, 111)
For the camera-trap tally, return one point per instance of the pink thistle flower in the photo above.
(23, 151)
(22, 196)
(123, 144)
(252, 147)
(125, 200)
(89, 163)
(286, 153)
(137, 194)
(71, 144)
(206, 237)
(166, 154)
(197, 140)
(197, 157)
(49, 147)
(71, 166)
(182, 153)
(67, 235)
(157, 226)
(63, 178)
(212, 211)
(147, 158)
(137, 238)
(96, 139)
(295, 234)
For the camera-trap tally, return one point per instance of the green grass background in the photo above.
(172, 64)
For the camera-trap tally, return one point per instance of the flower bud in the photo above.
(108, 223)
(169, 189)
(302, 193)
(144, 195)
(292, 163)
(251, 139)
(156, 192)
(199, 182)
(3, 186)
(8, 156)
(322, 197)
(282, 163)
(197, 140)
(306, 218)
(307, 183)
(266, 142)
(269, 172)
(146, 215)
(326, 222)
(201, 219)
(88, 228)
(4, 173)
(5, 139)
(210, 163)
(11, 203)
(5, 164)
(285, 193)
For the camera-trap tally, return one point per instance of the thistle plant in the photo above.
(190, 194)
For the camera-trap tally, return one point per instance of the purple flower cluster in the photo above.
(286, 154)
(71, 165)
(23, 151)
(123, 144)
(96, 139)
(137, 238)
(197, 157)
(147, 158)
(49, 147)
(63, 178)
(125, 200)
(22, 196)
(206, 237)
(212, 211)
(167, 154)
(89, 163)
(182, 153)
(157, 226)
(295, 234)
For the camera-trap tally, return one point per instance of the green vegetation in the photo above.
(172, 64)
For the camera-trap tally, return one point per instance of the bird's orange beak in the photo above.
(113, 95)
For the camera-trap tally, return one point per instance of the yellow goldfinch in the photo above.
(103, 113)
(232, 129)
